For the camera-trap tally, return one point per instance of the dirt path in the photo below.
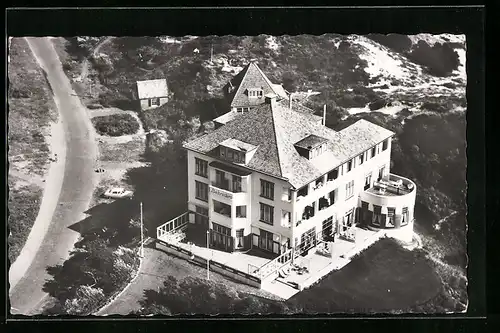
(70, 184)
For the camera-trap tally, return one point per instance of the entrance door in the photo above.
(240, 239)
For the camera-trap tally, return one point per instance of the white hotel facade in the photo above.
(272, 176)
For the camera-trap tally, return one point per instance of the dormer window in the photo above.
(255, 93)
(311, 146)
(236, 151)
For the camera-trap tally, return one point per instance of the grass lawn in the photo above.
(116, 125)
(129, 152)
(31, 109)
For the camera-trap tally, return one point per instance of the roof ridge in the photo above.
(271, 85)
(242, 80)
(276, 138)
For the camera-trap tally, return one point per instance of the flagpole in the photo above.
(142, 234)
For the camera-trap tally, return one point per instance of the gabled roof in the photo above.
(252, 77)
(275, 129)
(152, 88)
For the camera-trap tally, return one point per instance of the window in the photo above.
(349, 189)
(309, 211)
(405, 216)
(221, 229)
(316, 151)
(222, 208)
(241, 211)
(202, 215)
(202, 210)
(266, 240)
(266, 189)
(385, 144)
(350, 164)
(255, 92)
(327, 227)
(240, 238)
(349, 218)
(287, 194)
(154, 102)
(222, 151)
(266, 213)
(308, 239)
(201, 191)
(361, 158)
(377, 215)
(239, 110)
(303, 191)
(381, 172)
(286, 218)
(334, 174)
(374, 151)
(319, 182)
(368, 181)
(201, 167)
(391, 212)
(333, 196)
(364, 205)
(236, 183)
(230, 155)
(220, 180)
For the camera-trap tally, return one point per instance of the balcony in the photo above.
(392, 185)
(391, 191)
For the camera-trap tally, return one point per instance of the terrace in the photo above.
(392, 185)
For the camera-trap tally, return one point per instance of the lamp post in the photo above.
(142, 234)
(208, 260)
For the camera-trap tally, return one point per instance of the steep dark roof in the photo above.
(275, 129)
(251, 77)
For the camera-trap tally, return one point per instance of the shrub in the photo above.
(396, 42)
(116, 125)
(440, 59)
(378, 104)
(433, 106)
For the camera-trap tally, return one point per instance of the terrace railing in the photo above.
(174, 230)
(275, 265)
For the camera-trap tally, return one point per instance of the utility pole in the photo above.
(142, 235)
(208, 260)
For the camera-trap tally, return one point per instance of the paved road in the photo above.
(27, 296)
(156, 266)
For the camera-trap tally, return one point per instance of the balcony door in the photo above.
(266, 240)
(240, 239)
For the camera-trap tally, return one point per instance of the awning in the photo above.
(230, 168)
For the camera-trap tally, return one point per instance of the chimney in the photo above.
(324, 115)
(270, 99)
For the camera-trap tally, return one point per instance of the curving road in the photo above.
(78, 181)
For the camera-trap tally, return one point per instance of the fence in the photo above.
(174, 229)
(215, 266)
(274, 265)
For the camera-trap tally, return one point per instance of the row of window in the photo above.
(240, 110)
(255, 92)
(266, 188)
(351, 164)
(225, 209)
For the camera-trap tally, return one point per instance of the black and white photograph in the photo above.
(237, 175)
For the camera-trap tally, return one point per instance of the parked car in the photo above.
(118, 193)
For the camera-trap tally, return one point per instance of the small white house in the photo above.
(152, 93)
